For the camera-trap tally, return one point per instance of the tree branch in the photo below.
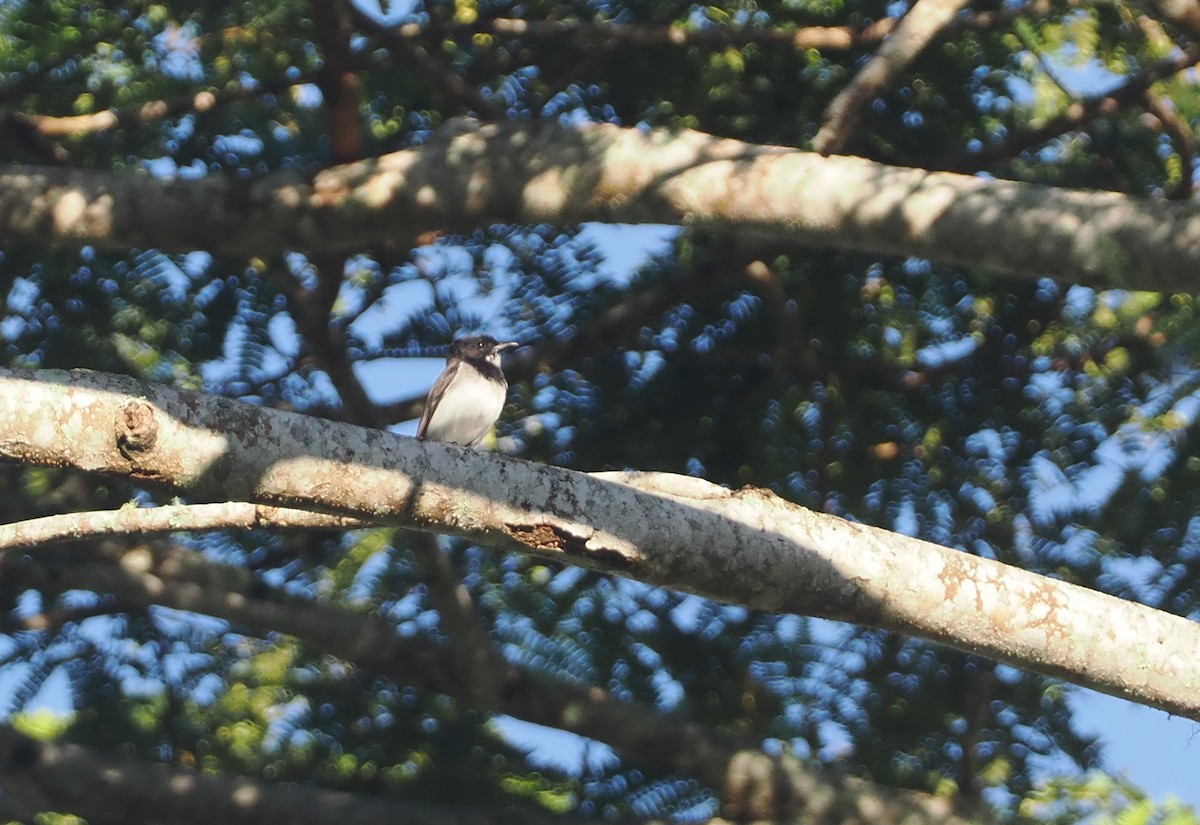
(916, 30)
(338, 79)
(322, 339)
(47, 776)
(40, 776)
(1163, 108)
(1131, 91)
(550, 174)
(1183, 13)
(471, 649)
(458, 93)
(747, 547)
(754, 785)
(825, 38)
(1182, 138)
(229, 515)
(641, 733)
(50, 126)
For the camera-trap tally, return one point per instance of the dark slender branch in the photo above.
(980, 693)
(591, 59)
(916, 30)
(49, 776)
(1132, 90)
(475, 662)
(752, 784)
(1043, 61)
(175, 578)
(338, 79)
(1164, 110)
(52, 621)
(410, 52)
(471, 650)
(1182, 138)
(324, 341)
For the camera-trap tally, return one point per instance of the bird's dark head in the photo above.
(480, 348)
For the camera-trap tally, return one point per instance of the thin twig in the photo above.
(1043, 61)
(1075, 115)
(325, 342)
(1182, 137)
(237, 515)
(444, 78)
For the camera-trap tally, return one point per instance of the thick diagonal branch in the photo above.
(748, 547)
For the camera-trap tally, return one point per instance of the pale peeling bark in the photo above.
(545, 173)
(748, 547)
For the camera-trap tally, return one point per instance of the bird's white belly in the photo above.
(467, 411)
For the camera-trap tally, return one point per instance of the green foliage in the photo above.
(41, 724)
(1104, 800)
(1046, 425)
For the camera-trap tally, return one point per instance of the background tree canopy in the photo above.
(1048, 425)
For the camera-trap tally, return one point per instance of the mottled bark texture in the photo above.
(748, 546)
(546, 173)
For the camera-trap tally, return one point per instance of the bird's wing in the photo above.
(435, 395)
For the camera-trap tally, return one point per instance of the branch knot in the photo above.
(137, 429)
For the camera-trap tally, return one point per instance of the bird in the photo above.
(468, 396)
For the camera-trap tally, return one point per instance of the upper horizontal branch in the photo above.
(546, 173)
(610, 34)
(831, 38)
(747, 547)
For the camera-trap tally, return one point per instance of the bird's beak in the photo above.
(503, 345)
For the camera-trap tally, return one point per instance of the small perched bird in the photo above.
(468, 396)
